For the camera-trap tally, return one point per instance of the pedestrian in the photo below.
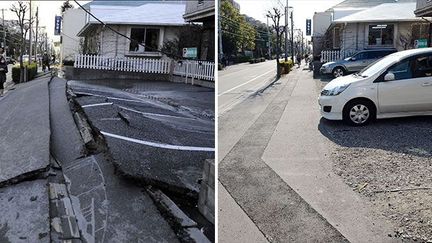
(299, 59)
(53, 58)
(3, 70)
(45, 62)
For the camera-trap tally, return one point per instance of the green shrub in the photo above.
(240, 59)
(220, 66)
(286, 66)
(31, 71)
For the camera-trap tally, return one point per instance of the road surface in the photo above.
(238, 82)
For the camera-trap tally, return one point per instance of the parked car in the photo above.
(355, 62)
(397, 85)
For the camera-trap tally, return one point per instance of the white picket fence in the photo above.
(195, 69)
(329, 56)
(129, 64)
(186, 68)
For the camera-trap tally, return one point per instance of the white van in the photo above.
(397, 85)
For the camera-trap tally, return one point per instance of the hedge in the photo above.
(286, 66)
(31, 71)
(257, 60)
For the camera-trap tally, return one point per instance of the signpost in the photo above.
(190, 52)
(57, 25)
(420, 43)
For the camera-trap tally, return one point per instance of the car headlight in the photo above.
(335, 91)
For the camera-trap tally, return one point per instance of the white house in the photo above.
(388, 25)
(325, 35)
(150, 24)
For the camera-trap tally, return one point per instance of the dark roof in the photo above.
(366, 3)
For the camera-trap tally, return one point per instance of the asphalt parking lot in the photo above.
(159, 133)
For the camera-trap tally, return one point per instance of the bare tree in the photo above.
(275, 15)
(20, 9)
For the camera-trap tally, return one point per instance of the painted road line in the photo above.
(154, 114)
(98, 104)
(159, 145)
(238, 86)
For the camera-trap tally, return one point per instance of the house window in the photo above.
(146, 36)
(336, 38)
(381, 35)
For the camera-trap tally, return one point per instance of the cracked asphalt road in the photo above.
(158, 132)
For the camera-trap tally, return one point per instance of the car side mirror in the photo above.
(352, 59)
(389, 77)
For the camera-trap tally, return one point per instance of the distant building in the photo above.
(203, 11)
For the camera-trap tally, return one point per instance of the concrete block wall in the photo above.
(206, 201)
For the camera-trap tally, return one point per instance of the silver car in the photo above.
(355, 62)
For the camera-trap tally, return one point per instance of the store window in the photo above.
(381, 35)
(146, 36)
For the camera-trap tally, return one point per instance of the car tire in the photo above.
(338, 72)
(359, 112)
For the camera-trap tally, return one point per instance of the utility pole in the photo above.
(292, 36)
(36, 39)
(30, 35)
(220, 34)
(268, 39)
(286, 30)
(4, 32)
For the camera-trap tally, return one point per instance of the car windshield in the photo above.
(377, 66)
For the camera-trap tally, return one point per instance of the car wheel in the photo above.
(359, 112)
(338, 72)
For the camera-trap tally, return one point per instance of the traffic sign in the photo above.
(308, 27)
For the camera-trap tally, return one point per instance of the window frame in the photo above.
(144, 53)
(367, 27)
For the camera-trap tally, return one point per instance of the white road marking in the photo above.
(238, 86)
(154, 114)
(98, 104)
(110, 119)
(159, 145)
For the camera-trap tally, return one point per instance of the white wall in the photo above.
(114, 45)
(73, 22)
(321, 22)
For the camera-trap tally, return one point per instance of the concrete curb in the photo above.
(184, 227)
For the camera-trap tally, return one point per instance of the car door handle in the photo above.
(427, 84)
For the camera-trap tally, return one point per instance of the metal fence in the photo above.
(129, 64)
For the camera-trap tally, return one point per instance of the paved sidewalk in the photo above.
(25, 129)
(299, 154)
(24, 158)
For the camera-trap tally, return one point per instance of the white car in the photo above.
(397, 85)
